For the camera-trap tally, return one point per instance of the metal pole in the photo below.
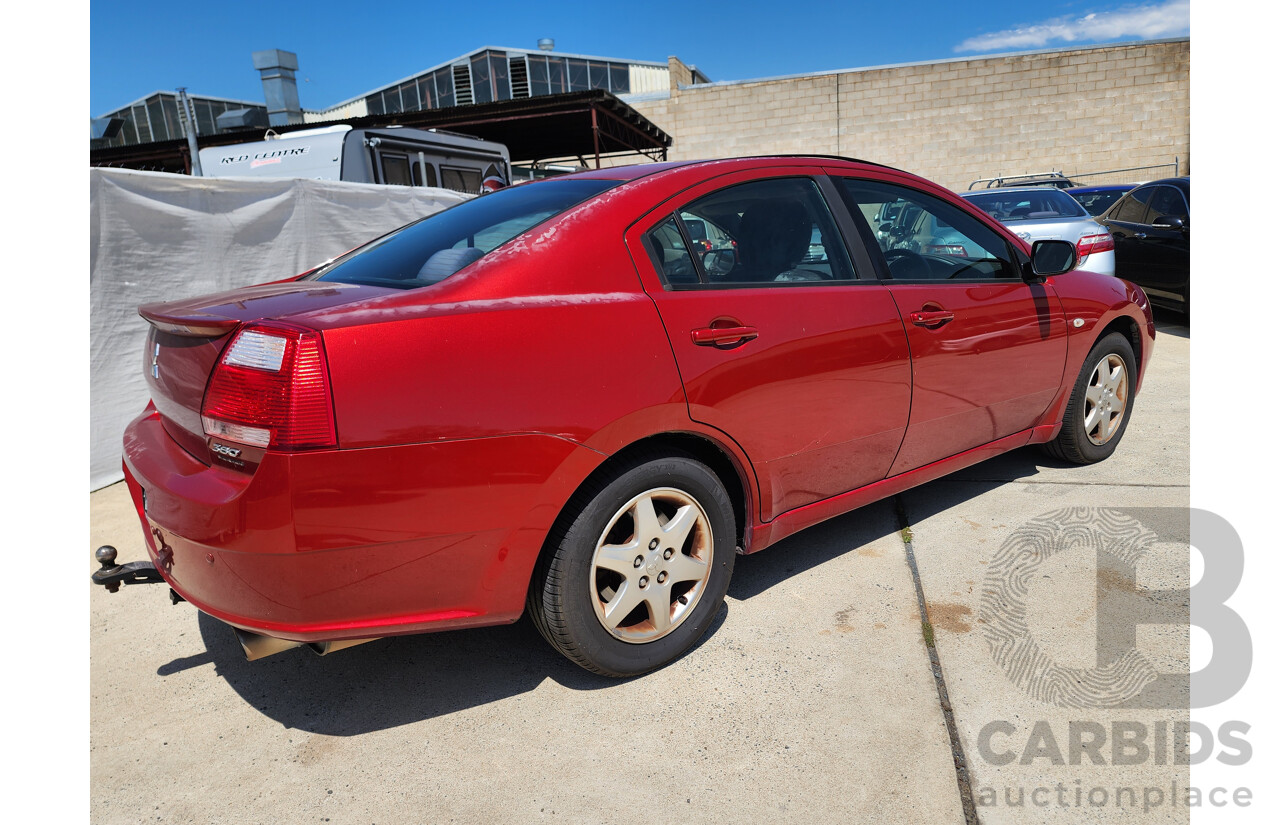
(188, 110)
(595, 134)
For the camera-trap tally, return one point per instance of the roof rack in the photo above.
(1041, 179)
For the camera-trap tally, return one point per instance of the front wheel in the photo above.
(634, 575)
(1100, 404)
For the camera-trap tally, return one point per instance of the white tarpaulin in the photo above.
(158, 237)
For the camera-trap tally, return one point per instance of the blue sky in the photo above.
(347, 48)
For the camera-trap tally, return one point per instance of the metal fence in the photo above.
(1133, 175)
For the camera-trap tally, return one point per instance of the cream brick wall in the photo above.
(1080, 110)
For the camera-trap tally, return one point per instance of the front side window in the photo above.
(432, 249)
(766, 232)
(1167, 202)
(924, 238)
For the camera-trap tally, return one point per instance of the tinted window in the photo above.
(1095, 203)
(1167, 202)
(766, 232)
(431, 249)
(1133, 209)
(928, 238)
(395, 170)
(1034, 205)
(460, 180)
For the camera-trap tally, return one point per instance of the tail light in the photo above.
(1089, 244)
(271, 389)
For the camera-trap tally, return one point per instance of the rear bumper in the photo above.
(345, 544)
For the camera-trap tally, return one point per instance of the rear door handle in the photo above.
(711, 336)
(931, 318)
(1140, 235)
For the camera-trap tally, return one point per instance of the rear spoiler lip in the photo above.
(191, 325)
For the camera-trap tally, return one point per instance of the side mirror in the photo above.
(1169, 222)
(1050, 258)
(719, 263)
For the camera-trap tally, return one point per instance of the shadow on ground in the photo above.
(394, 681)
(406, 679)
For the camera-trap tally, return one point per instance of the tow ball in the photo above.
(111, 575)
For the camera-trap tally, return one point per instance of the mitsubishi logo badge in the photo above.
(155, 362)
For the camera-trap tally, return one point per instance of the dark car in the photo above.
(539, 401)
(1098, 199)
(1152, 230)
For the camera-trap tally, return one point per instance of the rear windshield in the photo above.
(430, 250)
(1037, 205)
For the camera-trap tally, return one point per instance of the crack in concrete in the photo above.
(963, 782)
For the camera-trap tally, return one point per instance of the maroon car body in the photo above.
(453, 426)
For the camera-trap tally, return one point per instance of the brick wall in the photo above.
(1080, 110)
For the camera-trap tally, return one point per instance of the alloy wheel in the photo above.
(651, 565)
(1106, 399)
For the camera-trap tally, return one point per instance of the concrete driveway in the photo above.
(814, 697)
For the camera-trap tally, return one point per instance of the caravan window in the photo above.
(395, 170)
(460, 180)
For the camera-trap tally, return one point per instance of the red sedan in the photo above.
(555, 399)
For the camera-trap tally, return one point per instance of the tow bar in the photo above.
(111, 575)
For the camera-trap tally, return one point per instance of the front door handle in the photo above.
(931, 318)
(714, 336)
(1140, 236)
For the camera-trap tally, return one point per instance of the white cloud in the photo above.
(1169, 19)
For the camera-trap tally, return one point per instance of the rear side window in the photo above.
(1133, 209)
(766, 232)
(432, 249)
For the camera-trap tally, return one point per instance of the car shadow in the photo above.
(1169, 322)
(394, 681)
(406, 679)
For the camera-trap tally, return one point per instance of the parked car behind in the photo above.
(1151, 228)
(1044, 213)
(542, 401)
(1098, 199)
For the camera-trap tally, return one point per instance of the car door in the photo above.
(1127, 222)
(987, 349)
(1164, 247)
(779, 342)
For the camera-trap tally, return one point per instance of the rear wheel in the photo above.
(635, 574)
(1100, 404)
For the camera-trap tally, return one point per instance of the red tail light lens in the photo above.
(1090, 244)
(271, 389)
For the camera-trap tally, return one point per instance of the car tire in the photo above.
(1101, 403)
(656, 539)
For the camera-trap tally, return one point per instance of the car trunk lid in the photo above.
(187, 338)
